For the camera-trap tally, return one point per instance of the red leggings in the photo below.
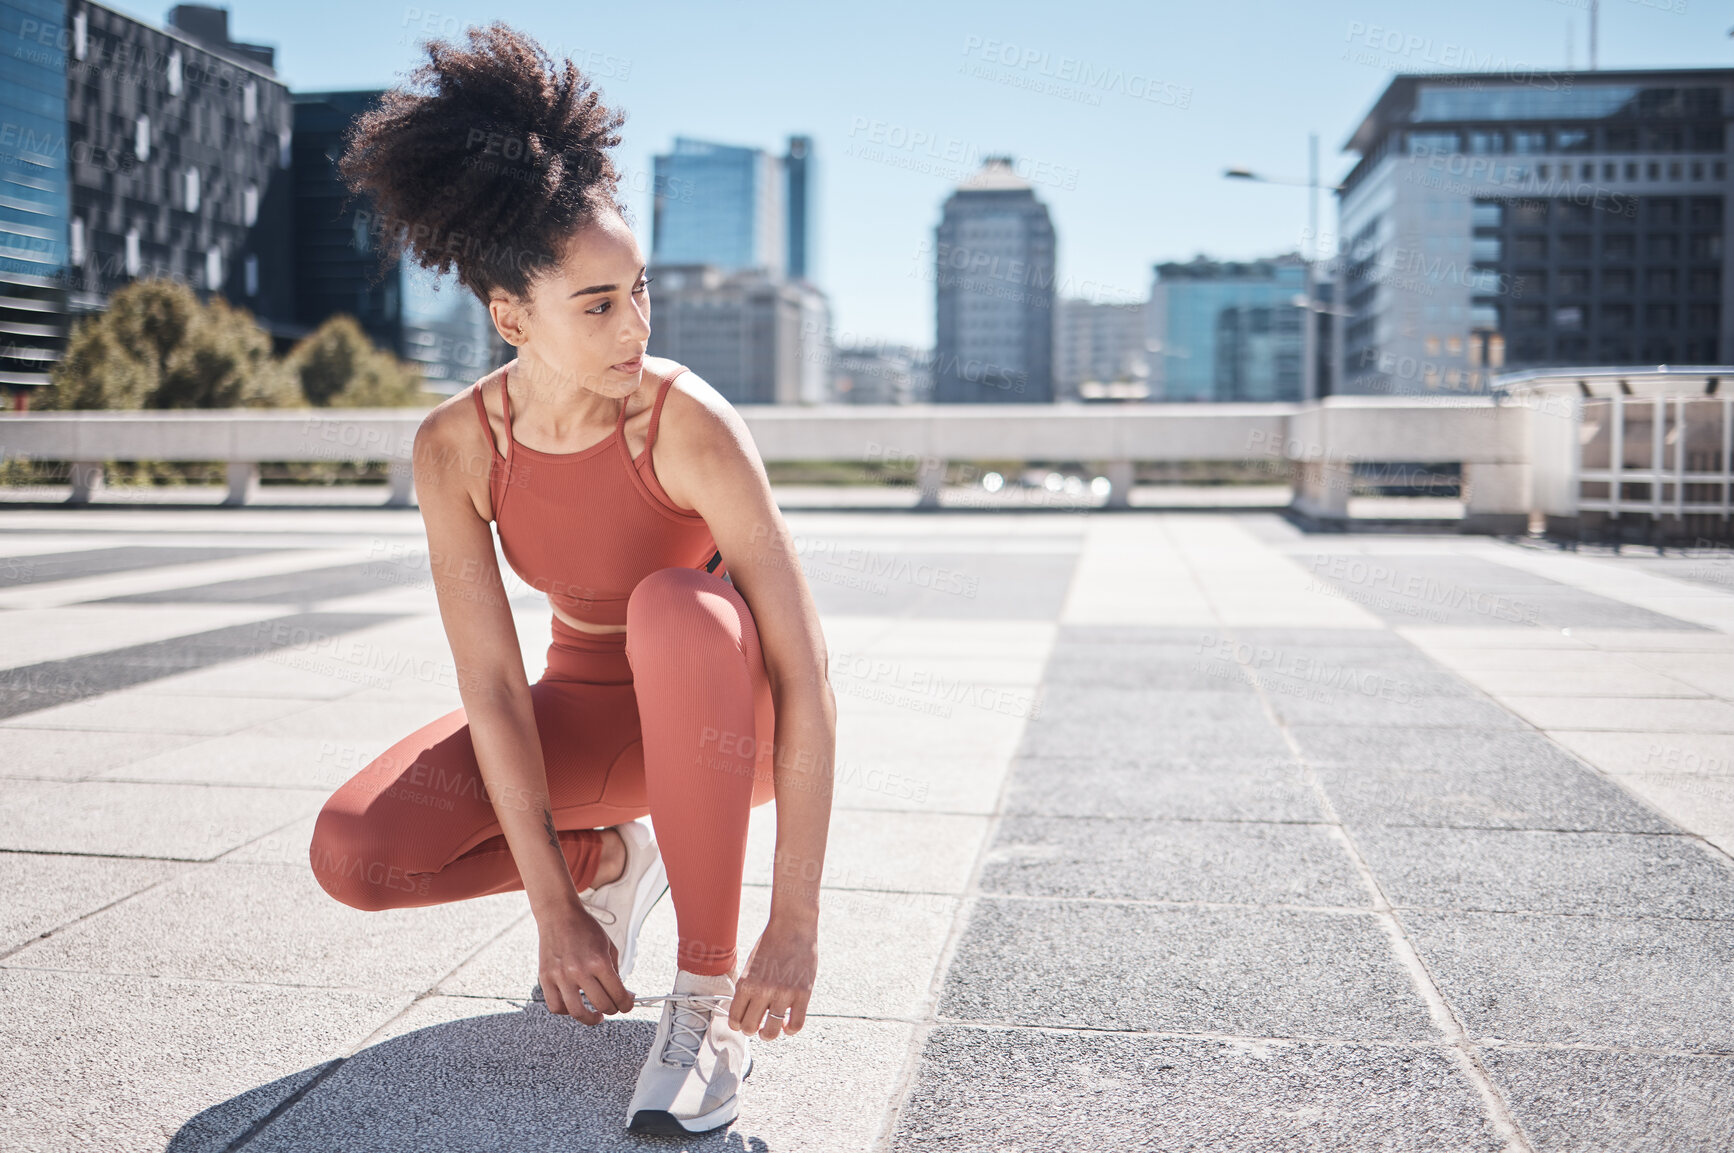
(672, 718)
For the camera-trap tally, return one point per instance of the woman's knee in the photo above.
(689, 604)
(355, 865)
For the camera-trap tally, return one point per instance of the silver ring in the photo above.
(784, 1017)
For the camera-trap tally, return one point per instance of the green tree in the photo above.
(157, 346)
(336, 365)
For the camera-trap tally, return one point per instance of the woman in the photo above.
(615, 480)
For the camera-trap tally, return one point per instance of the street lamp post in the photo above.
(1309, 324)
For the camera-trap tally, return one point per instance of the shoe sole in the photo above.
(650, 890)
(666, 1123)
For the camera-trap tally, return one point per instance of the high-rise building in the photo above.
(994, 292)
(139, 152)
(431, 320)
(1507, 221)
(728, 206)
(1098, 343)
(1227, 330)
(881, 373)
(755, 338)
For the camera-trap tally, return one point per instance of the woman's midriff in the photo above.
(584, 626)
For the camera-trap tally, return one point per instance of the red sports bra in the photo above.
(585, 527)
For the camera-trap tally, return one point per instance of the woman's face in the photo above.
(588, 317)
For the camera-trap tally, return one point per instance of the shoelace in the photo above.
(685, 1036)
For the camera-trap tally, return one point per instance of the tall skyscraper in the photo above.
(1503, 221)
(721, 205)
(138, 151)
(755, 338)
(994, 292)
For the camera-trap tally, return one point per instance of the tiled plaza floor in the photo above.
(1153, 830)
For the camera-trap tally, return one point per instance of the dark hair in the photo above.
(492, 167)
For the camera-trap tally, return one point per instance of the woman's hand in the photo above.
(577, 957)
(779, 979)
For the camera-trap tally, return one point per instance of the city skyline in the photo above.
(1132, 180)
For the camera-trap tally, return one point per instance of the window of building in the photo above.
(1705, 281)
(173, 73)
(1706, 246)
(1483, 141)
(75, 241)
(1573, 282)
(1621, 139)
(1528, 141)
(1705, 210)
(141, 138)
(285, 151)
(1659, 315)
(1530, 283)
(1483, 316)
(1718, 170)
(1432, 143)
(1486, 214)
(252, 273)
(1571, 212)
(1575, 140)
(1453, 345)
(1663, 138)
(1662, 210)
(1484, 249)
(1610, 171)
(80, 34)
(1529, 212)
(1617, 281)
(1631, 170)
(1528, 315)
(1619, 246)
(1654, 170)
(250, 101)
(133, 263)
(250, 204)
(1697, 170)
(1569, 317)
(1617, 316)
(1662, 246)
(1674, 170)
(1529, 247)
(213, 268)
(1659, 282)
(1703, 314)
(1574, 246)
(191, 189)
(1706, 138)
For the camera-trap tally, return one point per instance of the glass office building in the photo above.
(35, 204)
(1227, 330)
(720, 205)
(1499, 222)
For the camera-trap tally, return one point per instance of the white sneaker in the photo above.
(691, 1080)
(623, 903)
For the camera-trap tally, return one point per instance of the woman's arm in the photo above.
(473, 605)
(713, 459)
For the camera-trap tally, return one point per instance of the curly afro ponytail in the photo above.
(488, 159)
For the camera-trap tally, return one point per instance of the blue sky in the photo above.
(1122, 114)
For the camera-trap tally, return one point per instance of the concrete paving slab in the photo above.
(69, 755)
(1624, 714)
(955, 784)
(200, 925)
(1519, 797)
(45, 891)
(1120, 859)
(129, 712)
(1015, 1089)
(1386, 747)
(255, 761)
(868, 849)
(1128, 723)
(1645, 752)
(123, 819)
(1247, 972)
(200, 1062)
(1660, 982)
(1548, 872)
(1587, 1101)
(1199, 789)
